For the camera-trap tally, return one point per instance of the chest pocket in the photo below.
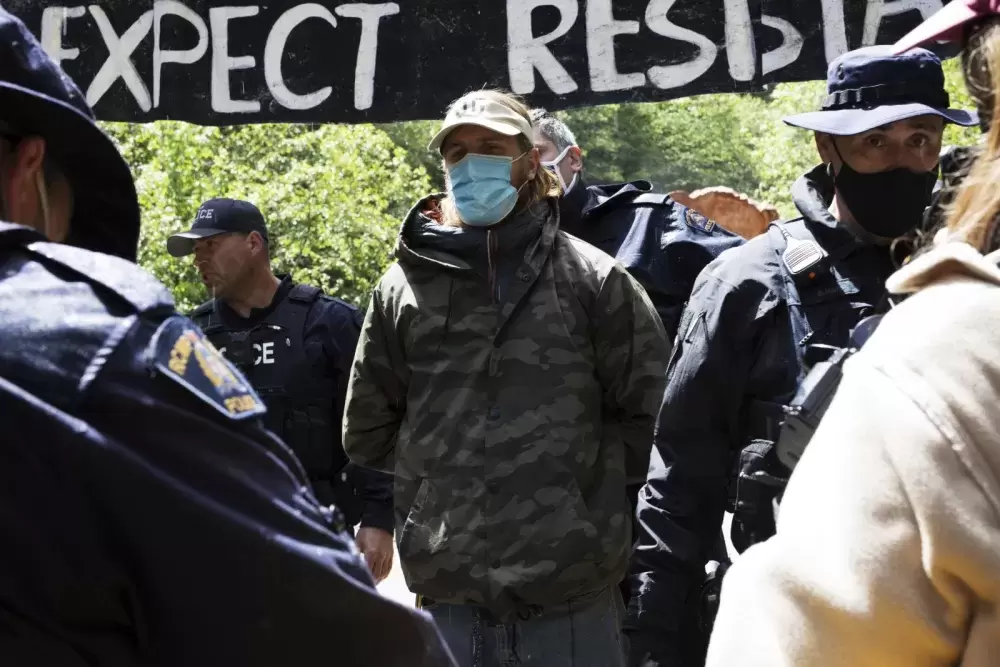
(824, 313)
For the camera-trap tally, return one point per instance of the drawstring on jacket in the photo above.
(491, 266)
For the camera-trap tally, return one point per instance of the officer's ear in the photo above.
(575, 157)
(257, 244)
(825, 148)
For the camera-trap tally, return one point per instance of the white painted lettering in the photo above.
(364, 70)
(223, 63)
(601, 31)
(880, 9)
(741, 48)
(54, 20)
(674, 76)
(171, 7)
(834, 30)
(267, 354)
(275, 50)
(791, 45)
(526, 53)
(119, 62)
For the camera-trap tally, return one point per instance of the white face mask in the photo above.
(553, 166)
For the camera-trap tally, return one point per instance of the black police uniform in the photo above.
(297, 353)
(743, 348)
(663, 244)
(146, 516)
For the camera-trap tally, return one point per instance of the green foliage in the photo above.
(414, 136)
(960, 99)
(683, 144)
(333, 196)
(780, 153)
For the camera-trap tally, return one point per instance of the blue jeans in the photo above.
(567, 635)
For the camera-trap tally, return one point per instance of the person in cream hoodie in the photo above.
(887, 550)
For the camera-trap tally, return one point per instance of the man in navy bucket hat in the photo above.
(146, 515)
(759, 318)
(870, 87)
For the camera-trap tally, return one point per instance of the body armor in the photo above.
(291, 376)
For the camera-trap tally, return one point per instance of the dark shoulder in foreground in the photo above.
(139, 485)
(63, 310)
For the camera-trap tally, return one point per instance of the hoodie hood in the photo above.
(493, 252)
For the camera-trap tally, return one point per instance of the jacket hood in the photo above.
(422, 239)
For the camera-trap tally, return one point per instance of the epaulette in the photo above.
(305, 293)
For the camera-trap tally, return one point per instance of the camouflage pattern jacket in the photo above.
(510, 378)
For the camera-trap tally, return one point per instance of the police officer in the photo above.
(759, 317)
(663, 244)
(296, 346)
(147, 516)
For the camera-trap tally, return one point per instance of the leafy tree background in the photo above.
(334, 195)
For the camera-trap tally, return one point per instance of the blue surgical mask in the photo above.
(481, 188)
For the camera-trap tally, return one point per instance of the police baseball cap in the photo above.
(218, 216)
(874, 86)
(479, 108)
(37, 99)
(949, 23)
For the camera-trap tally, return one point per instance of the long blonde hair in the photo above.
(974, 215)
(543, 185)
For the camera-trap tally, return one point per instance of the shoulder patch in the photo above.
(695, 219)
(182, 353)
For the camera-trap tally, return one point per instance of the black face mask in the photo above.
(887, 203)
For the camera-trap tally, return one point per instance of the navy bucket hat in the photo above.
(38, 99)
(871, 87)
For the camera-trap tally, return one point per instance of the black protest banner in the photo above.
(226, 62)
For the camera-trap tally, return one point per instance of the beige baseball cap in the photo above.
(478, 109)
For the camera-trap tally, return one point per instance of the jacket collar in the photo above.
(812, 195)
(601, 198)
(422, 240)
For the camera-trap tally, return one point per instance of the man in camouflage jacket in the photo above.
(509, 376)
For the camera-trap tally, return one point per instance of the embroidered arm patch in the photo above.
(182, 353)
(696, 220)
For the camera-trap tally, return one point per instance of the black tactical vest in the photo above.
(291, 376)
(822, 310)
